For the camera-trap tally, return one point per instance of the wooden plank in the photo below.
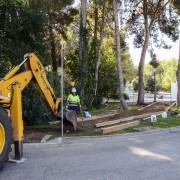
(119, 127)
(147, 106)
(169, 107)
(109, 123)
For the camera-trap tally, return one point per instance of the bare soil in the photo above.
(33, 135)
(88, 124)
(36, 134)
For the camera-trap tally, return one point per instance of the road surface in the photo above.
(140, 156)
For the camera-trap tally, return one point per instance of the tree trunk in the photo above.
(155, 89)
(118, 57)
(96, 19)
(143, 56)
(53, 49)
(178, 79)
(52, 42)
(141, 71)
(83, 50)
(97, 50)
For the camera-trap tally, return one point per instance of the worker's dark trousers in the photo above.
(74, 108)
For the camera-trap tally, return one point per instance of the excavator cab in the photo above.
(11, 121)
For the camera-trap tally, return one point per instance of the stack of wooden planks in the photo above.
(122, 123)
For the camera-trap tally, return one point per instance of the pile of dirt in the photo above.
(159, 106)
(89, 124)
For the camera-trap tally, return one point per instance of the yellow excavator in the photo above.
(11, 121)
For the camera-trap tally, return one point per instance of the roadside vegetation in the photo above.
(97, 57)
(78, 54)
(171, 121)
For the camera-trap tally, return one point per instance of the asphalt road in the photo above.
(149, 156)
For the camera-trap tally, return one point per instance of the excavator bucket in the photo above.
(69, 119)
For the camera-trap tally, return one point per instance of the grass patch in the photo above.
(105, 107)
(162, 123)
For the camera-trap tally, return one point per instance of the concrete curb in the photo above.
(115, 137)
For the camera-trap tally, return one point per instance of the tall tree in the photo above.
(59, 15)
(177, 6)
(118, 56)
(83, 50)
(98, 42)
(154, 63)
(143, 55)
(24, 28)
(148, 20)
(108, 83)
(178, 78)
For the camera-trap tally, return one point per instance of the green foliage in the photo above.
(164, 123)
(20, 32)
(154, 63)
(161, 18)
(126, 97)
(24, 28)
(135, 85)
(150, 85)
(39, 25)
(108, 81)
(35, 111)
(165, 74)
(35, 108)
(168, 75)
(108, 78)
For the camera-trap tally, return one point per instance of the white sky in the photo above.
(162, 54)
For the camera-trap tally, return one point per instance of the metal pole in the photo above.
(155, 90)
(62, 87)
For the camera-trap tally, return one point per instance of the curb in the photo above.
(89, 139)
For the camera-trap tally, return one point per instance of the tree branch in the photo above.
(156, 12)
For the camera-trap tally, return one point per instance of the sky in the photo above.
(162, 54)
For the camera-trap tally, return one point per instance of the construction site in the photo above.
(107, 122)
(89, 90)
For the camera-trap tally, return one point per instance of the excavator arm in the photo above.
(33, 70)
(38, 71)
(11, 87)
